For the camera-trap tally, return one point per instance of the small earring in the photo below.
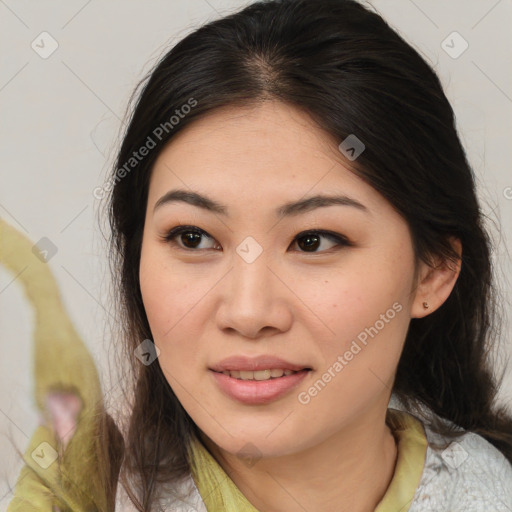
(425, 305)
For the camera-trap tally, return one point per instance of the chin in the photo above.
(255, 444)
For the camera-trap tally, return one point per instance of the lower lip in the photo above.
(257, 392)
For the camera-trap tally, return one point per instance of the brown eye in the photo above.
(189, 237)
(310, 241)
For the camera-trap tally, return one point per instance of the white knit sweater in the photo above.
(470, 475)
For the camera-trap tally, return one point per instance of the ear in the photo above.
(435, 284)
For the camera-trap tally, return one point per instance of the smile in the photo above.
(258, 375)
(258, 387)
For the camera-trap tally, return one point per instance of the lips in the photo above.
(258, 392)
(254, 364)
(257, 380)
(273, 373)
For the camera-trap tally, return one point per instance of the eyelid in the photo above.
(176, 231)
(337, 237)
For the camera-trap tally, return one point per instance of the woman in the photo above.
(297, 240)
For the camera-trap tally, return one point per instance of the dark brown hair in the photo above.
(352, 73)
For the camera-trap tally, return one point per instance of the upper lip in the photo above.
(263, 362)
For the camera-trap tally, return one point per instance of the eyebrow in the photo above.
(288, 209)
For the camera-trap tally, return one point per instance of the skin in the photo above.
(207, 303)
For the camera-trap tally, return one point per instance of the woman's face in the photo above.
(248, 287)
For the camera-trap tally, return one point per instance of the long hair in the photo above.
(352, 73)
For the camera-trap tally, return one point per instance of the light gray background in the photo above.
(60, 117)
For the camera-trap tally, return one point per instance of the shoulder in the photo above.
(464, 474)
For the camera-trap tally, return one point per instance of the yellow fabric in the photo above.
(412, 450)
(219, 492)
(61, 363)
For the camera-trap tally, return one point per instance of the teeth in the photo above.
(258, 375)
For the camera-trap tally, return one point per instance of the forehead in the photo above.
(262, 118)
(269, 151)
(269, 131)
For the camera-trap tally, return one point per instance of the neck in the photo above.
(349, 471)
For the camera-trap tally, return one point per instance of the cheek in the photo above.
(171, 300)
(347, 301)
(171, 328)
(360, 313)
(367, 324)
(167, 292)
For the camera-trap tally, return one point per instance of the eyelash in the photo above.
(340, 240)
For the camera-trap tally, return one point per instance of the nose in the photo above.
(255, 301)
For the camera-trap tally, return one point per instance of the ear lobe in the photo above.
(436, 284)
